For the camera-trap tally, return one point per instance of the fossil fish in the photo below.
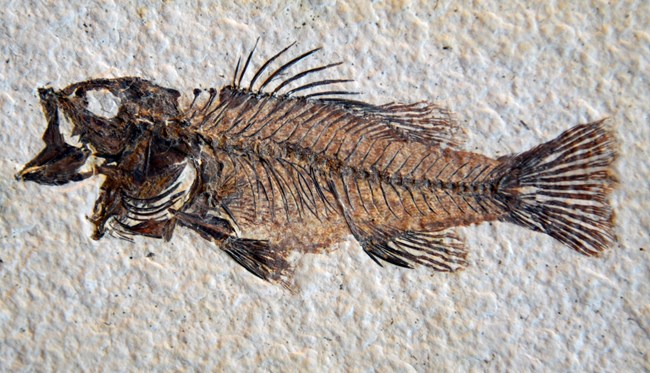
(282, 163)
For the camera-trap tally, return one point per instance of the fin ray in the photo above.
(259, 258)
(562, 188)
(420, 122)
(440, 250)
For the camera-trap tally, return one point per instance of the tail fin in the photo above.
(562, 187)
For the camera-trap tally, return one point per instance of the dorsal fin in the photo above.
(419, 122)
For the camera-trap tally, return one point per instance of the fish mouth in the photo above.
(59, 162)
(56, 166)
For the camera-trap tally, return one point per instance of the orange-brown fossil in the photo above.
(262, 172)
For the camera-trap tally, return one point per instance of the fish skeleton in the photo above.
(284, 164)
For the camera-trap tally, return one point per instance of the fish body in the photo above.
(265, 173)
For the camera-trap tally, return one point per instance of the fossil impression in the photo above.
(282, 163)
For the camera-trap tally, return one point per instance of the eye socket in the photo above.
(103, 103)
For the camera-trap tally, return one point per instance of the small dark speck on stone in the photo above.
(150, 255)
(131, 257)
(1, 261)
(641, 249)
(446, 47)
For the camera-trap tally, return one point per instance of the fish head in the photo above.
(95, 121)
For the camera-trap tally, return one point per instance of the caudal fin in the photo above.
(562, 188)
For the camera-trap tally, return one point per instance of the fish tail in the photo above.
(562, 188)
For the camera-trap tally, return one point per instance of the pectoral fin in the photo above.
(258, 257)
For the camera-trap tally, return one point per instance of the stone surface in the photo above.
(514, 75)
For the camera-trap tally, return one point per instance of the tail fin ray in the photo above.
(562, 188)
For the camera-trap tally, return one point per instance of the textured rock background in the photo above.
(525, 302)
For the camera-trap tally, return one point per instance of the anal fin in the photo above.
(440, 250)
